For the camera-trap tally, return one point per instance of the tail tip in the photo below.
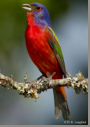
(66, 116)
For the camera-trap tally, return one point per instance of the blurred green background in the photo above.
(70, 22)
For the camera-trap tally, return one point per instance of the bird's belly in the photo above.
(42, 55)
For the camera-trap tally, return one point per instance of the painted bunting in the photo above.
(44, 49)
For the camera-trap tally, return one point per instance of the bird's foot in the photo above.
(36, 80)
(48, 78)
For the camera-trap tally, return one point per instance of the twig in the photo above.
(31, 89)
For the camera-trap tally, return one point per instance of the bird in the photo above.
(45, 51)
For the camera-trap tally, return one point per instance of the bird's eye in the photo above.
(38, 8)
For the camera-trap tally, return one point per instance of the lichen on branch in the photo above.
(33, 88)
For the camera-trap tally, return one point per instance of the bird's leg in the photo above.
(49, 76)
(43, 77)
(34, 82)
(40, 77)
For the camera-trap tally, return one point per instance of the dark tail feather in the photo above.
(61, 105)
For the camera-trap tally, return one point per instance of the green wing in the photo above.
(54, 44)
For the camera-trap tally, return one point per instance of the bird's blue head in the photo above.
(40, 13)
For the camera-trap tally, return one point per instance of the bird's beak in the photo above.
(27, 7)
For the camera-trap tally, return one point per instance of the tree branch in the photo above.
(31, 89)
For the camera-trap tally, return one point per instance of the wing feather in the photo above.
(54, 44)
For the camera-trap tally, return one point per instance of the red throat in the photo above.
(30, 19)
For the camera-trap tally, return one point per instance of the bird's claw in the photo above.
(49, 77)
